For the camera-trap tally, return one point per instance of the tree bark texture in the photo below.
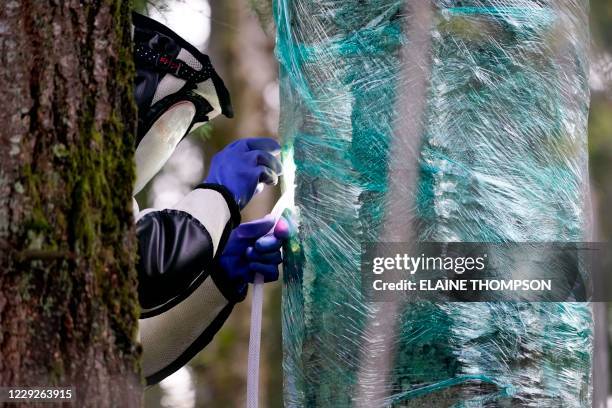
(68, 302)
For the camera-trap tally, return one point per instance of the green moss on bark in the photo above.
(68, 286)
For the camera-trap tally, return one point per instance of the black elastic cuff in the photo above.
(233, 292)
(229, 198)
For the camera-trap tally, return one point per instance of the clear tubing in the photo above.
(256, 313)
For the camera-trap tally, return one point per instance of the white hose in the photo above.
(256, 312)
(254, 343)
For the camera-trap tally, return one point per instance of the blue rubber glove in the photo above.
(243, 164)
(252, 249)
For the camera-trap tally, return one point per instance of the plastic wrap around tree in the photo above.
(433, 121)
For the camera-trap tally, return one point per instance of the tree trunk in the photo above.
(68, 303)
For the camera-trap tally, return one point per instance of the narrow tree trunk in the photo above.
(68, 304)
(243, 55)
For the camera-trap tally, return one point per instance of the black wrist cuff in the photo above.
(229, 198)
(232, 291)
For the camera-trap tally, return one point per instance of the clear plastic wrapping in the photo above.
(502, 157)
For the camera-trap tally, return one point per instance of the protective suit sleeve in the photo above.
(177, 245)
(184, 297)
(172, 338)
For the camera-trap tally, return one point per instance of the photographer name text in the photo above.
(458, 285)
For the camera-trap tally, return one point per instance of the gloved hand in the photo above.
(242, 165)
(250, 249)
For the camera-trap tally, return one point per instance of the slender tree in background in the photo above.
(68, 303)
(600, 151)
(244, 55)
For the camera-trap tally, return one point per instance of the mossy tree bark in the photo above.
(68, 303)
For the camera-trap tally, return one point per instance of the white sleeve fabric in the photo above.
(171, 339)
(210, 208)
(209, 204)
